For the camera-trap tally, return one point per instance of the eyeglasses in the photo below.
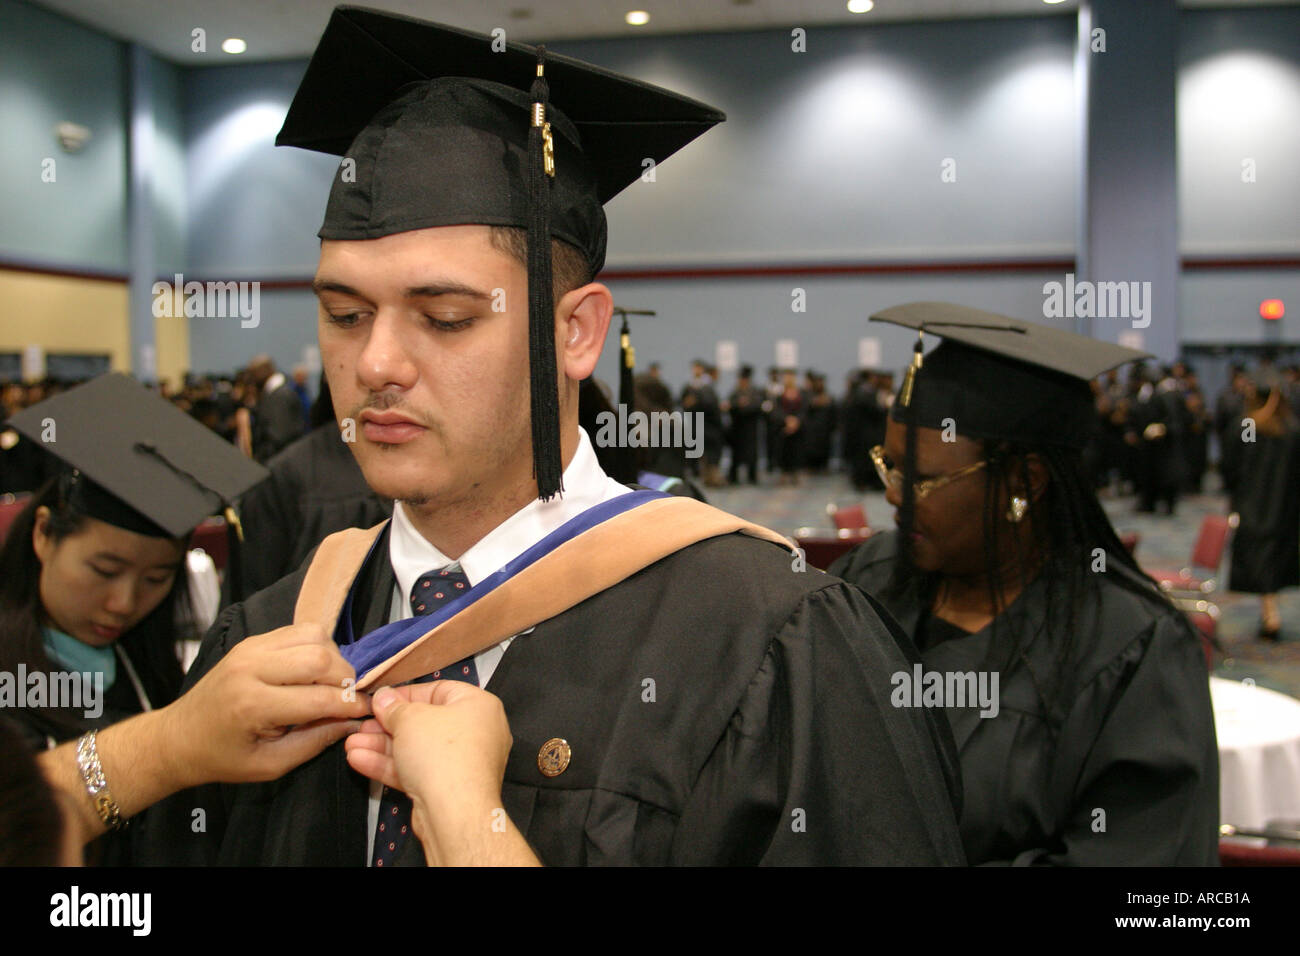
(892, 478)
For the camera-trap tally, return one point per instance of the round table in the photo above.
(1259, 753)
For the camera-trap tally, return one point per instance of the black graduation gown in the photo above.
(316, 488)
(821, 419)
(1228, 410)
(1164, 459)
(1266, 545)
(720, 709)
(277, 421)
(746, 418)
(1136, 739)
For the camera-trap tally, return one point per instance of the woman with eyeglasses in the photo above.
(1077, 694)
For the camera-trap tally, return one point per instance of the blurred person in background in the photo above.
(772, 433)
(1266, 496)
(821, 423)
(745, 406)
(790, 410)
(1229, 407)
(1199, 426)
(1158, 429)
(277, 415)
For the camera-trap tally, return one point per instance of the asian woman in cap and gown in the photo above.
(92, 573)
(1078, 696)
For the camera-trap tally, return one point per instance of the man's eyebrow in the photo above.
(328, 285)
(444, 288)
(431, 290)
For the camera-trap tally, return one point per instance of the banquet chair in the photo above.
(10, 506)
(852, 518)
(1204, 616)
(1207, 555)
(211, 537)
(822, 546)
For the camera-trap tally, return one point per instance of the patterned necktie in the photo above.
(431, 591)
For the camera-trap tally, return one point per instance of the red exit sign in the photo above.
(1272, 309)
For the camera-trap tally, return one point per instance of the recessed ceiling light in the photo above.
(234, 45)
(637, 18)
(860, 6)
(1053, 1)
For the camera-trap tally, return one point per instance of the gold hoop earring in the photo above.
(1018, 508)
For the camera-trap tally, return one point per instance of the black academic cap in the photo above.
(625, 469)
(440, 126)
(627, 355)
(138, 461)
(1002, 378)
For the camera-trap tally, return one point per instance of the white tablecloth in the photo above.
(1259, 753)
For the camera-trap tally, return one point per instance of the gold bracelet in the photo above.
(92, 775)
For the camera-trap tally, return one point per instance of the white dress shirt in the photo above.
(585, 485)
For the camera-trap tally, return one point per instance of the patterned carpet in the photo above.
(1165, 542)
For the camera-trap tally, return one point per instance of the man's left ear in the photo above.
(583, 316)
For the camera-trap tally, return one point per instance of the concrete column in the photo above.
(142, 265)
(1128, 213)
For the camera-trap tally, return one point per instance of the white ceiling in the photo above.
(280, 29)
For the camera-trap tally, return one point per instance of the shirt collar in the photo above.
(585, 485)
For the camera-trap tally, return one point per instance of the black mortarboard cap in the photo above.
(138, 461)
(999, 377)
(440, 125)
(626, 469)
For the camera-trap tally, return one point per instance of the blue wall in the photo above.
(764, 186)
(170, 199)
(53, 70)
(836, 153)
(253, 209)
(1239, 99)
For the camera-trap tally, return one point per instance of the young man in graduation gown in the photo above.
(1078, 696)
(718, 706)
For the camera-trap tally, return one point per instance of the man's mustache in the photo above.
(384, 402)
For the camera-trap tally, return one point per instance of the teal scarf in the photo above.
(74, 655)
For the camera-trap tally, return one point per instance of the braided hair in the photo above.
(1070, 531)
